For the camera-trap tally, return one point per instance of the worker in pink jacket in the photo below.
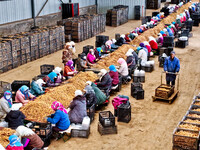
(91, 57)
(23, 95)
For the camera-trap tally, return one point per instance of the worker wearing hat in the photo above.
(171, 65)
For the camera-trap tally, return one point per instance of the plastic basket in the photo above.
(106, 118)
(46, 69)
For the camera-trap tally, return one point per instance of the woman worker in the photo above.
(37, 88)
(69, 70)
(60, 117)
(78, 108)
(5, 104)
(50, 79)
(23, 95)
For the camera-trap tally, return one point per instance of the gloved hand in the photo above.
(33, 99)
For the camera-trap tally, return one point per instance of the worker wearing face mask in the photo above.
(5, 104)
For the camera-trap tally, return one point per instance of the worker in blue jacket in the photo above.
(171, 65)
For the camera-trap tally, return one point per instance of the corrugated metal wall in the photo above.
(104, 5)
(15, 10)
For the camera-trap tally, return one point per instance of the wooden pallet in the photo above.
(170, 99)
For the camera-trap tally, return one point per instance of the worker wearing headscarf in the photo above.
(60, 77)
(142, 55)
(90, 96)
(123, 69)
(5, 104)
(60, 117)
(14, 143)
(160, 39)
(114, 75)
(91, 58)
(105, 81)
(23, 95)
(153, 43)
(69, 69)
(37, 87)
(50, 79)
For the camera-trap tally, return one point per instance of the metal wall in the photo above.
(14, 10)
(104, 5)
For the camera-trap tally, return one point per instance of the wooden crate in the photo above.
(107, 130)
(186, 142)
(164, 91)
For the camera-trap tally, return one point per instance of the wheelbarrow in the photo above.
(167, 96)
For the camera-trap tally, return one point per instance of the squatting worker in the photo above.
(171, 65)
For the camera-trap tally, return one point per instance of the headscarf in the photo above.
(129, 54)
(159, 35)
(24, 131)
(122, 36)
(121, 61)
(162, 32)
(142, 45)
(9, 100)
(152, 38)
(131, 50)
(146, 43)
(89, 82)
(103, 72)
(40, 82)
(99, 49)
(58, 106)
(57, 70)
(14, 141)
(52, 75)
(112, 68)
(25, 91)
(139, 48)
(70, 65)
(78, 93)
(89, 89)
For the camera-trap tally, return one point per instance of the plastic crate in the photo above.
(124, 113)
(196, 23)
(87, 48)
(42, 130)
(135, 85)
(4, 86)
(139, 93)
(91, 112)
(47, 141)
(186, 142)
(117, 36)
(82, 133)
(107, 130)
(139, 79)
(168, 39)
(18, 83)
(46, 69)
(149, 69)
(155, 13)
(106, 118)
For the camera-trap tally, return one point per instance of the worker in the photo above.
(15, 118)
(114, 75)
(101, 97)
(142, 55)
(69, 70)
(171, 65)
(23, 95)
(90, 96)
(145, 48)
(50, 79)
(108, 44)
(14, 143)
(34, 140)
(59, 72)
(123, 69)
(5, 104)
(163, 33)
(147, 45)
(104, 82)
(160, 39)
(82, 63)
(78, 108)
(91, 59)
(121, 40)
(67, 53)
(97, 53)
(153, 43)
(74, 55)
(60, 117)
(134, 55)
(37, 88)
(130, 60)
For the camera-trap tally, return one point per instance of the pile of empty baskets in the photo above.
(84, 27)
(117, 16)
(186, 135)
(24, 47)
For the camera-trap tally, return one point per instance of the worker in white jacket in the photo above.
(142, 55)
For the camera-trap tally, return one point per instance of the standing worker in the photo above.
(171, 65)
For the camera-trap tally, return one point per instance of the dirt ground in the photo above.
(152, 123)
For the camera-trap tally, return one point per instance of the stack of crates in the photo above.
(16, 52)
(5, 56)
(101, 40)
(168, 41)
(137, 12)
(46, 69)
(53, 35)
(153, 4)
(4, 86)
(34, 44)
(43, 42)
(106, 123)
(25, 47)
